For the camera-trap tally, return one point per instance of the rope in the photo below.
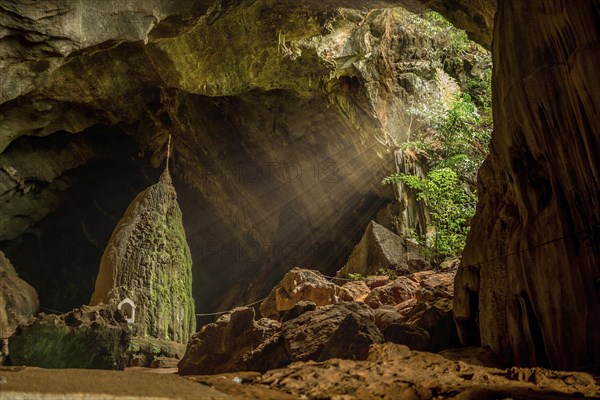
(51, 310)
(586, 232)
(339, 279)
(225, 312)
(259, 301)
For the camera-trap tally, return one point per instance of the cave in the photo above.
(275, 123)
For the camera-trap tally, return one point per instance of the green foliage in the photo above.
(391, 179)
(415, 145)
(356, 276)
(450, 204)
(453, 144)
(455, 42)
(387, 272)
(481, 90)
(381, 271)
(456, 39)
(461, 124)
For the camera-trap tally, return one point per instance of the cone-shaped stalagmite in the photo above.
(147, 260)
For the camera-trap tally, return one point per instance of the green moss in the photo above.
(260, 57)
(152, 265)
(49, 343)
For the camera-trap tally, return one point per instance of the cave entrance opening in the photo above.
(441, 144)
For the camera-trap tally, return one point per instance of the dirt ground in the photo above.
(132, 384)
(391, 372)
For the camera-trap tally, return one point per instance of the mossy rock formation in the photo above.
(87, 337)
(147, 260)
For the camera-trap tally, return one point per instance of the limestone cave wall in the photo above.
(529, 284)
(281, 113)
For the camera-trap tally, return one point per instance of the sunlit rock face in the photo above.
(280, 116)
(530, 275)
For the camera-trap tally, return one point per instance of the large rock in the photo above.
(416, 310)
(355, 291)
(395, 292)
(88, 337)
(236, 342)
(409, 335)
(436, 319)
(147, 266)
(154, 353)
(18, 303)
(299, 309)
(299, 285)
(433, 285)
(229, 345)
(529, 282)
(344, 330)
(18, 300)
(380, 248)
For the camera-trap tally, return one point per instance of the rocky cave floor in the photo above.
(391, 372)
(381, 369)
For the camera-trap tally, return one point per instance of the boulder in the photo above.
(344, 330)
(395, 292)
(269, 355)
(18, 303)
(228, 344)
(88, 337)
(435, 318)
(381, 248)
(298, 309)
(405, 307)
(416, 310)
(386, 315)
(375, 281)
(299, 285)
(395, 329)
(434, 285)
(154, 353)
(355, 291)
(409, 335)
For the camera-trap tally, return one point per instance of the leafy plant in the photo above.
(454, 144)
(392, 178)
(454, 41)
(355, 276)
(391, 273)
